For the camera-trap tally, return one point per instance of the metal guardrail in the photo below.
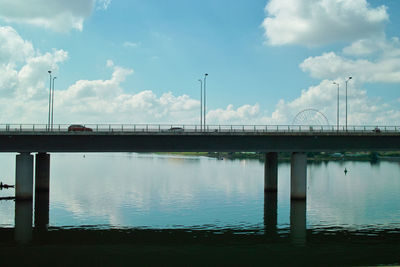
(176, 128)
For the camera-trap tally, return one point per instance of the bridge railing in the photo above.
(178, 128)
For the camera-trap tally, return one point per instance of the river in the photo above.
(151, 193)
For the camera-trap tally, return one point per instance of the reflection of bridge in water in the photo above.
(28, 139)
(91, 246)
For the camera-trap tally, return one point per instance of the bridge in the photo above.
(26, 139)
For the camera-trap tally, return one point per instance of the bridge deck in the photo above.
(195, 141)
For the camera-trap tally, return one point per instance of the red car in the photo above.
(79, 128)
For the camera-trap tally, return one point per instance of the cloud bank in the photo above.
(24, 83)
(316, 22)
(370, 57)
(60, 16)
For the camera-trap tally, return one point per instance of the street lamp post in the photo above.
(337, 105)
(205, 107)
(48, 121)
(347, 80)
(201, 104)
(52, 104)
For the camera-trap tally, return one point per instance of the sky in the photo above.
(135, 61)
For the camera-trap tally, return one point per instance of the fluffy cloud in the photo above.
(131, 44)
(21, 66)
(13, 49)
(315, 22)
(229, 115)
(55, 15)
(22, 87)
(378, 47)
(370, 58)
(362, 110)
(323, 97)
(383, 68)
(103, 101)
(103, 4)
(93, 101)
(23, 82)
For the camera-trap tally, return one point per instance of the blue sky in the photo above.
(134, 61)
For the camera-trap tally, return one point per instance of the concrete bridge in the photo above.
(40, 139)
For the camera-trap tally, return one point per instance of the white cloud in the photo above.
(96, 101)
(110, 63)
(22, 68)
(24, 80)
(30, 75)
(362, 110)
(103, 4)
(370, 58)
(332, 66)
(323, 97)
(378, 47)
(13, 49)
(315, 22)
(241, 115)
(55, 15)
(131, 44)
(105, 102)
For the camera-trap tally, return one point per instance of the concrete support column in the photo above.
(271, 172)
(298, 176)
(24, 177)
(42, 172)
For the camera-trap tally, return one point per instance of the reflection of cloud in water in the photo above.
(164, 190)
(365, 196)
(144, 186)
(7, 213)
(7, 176)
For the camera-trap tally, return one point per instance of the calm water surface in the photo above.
(157, 191)
(149, 191)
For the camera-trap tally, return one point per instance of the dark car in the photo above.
(79, 128)
(175, 129)
(376, 130)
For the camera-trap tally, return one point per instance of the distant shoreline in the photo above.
(366, 156)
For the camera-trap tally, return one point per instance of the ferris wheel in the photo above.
(310, 117)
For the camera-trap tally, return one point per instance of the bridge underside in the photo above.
(183, 142)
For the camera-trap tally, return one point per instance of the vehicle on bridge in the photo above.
(175, 129)
(376, 130)
(79, 128)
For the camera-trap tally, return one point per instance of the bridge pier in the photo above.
(298, 176)
(24, 177)
(42, 172)
(271, 172)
